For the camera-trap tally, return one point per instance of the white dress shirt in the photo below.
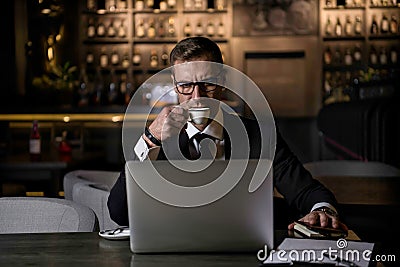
(214, 129)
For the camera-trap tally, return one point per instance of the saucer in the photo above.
(116, 234)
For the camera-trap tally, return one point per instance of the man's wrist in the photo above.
(149, 137)
(328, 211)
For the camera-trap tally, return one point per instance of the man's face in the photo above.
(196, 81)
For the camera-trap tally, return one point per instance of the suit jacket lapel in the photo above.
(227, 145)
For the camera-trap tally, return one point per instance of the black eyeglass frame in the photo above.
(204, 86)
(210, 82)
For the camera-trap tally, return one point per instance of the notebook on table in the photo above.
(239, 221)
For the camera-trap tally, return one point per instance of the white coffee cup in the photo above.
(199, 115)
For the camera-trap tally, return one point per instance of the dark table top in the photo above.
(49, 170)
(49, 159)
(89, 249)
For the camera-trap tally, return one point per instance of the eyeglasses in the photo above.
(187, 88)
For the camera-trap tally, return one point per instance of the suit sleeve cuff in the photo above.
(323, 205)
(143, 152)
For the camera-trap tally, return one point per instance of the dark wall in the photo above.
(7, 53)
(21, 24)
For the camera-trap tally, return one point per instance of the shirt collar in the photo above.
(214, 129)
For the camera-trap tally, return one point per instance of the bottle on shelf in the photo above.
(35, 142)
(113, 92)
(50, 48)
(373, 56)
(338, 27)
(329, 3)
(126, 88)
(151, 30)
(348, 27)
(384, 2)
(393, 25)
(383, 56)
(82, 94)
(349, 3)
(220, 4)
(393, 55)
(137, 57)
(122, 5)
(384, 24)
(112, 5)
(103, 58)
(153, 59)
(210, 29)
(121, 29)
(171, 4)
(150, 4)
(101, 29)
(171, 27)
(198, 5)
(98, 90)
(357, 54)
(140, 29)
(164, 56)
(125, 60)
(358, 26)
(91, 28)
(187, 5)
(114, 57)
(139, 5)
(327, 56)
(122, 88)
(161, 32)
(375, 3)
(329, 27)
(64, 148)
(89, 58)
(374, 25)
(337, 56)
(221, 29)
(111, 32)
(348, 58)
(163, 5)
(91, 5)
(198, 29)
(187, 29)
(327, 84)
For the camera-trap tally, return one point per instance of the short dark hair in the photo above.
(192, 48)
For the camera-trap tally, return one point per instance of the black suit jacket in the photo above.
(300, 190)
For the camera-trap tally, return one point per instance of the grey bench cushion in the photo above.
(38, 214)
(92, 188)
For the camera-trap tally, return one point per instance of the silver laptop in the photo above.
(188, 210)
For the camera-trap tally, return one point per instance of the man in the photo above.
(315, 202)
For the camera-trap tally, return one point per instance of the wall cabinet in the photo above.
(127, 43)
(360, 46)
